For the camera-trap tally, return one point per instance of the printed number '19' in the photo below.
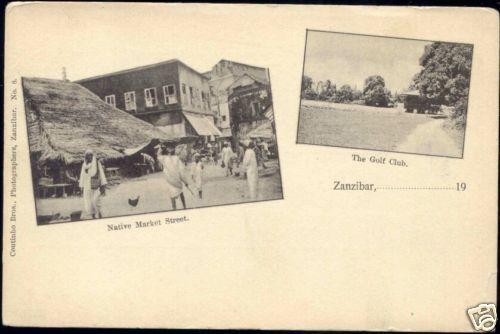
(461, 186)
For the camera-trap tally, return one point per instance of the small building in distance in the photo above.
(169, 95)
(411, 101)
(239, 96)
(416, 103)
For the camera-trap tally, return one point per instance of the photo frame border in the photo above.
(23, 106)
(297, 142)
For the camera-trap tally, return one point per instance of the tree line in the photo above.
(443, 80)
(374, 92)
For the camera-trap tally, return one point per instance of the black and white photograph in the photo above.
(384, 93)
(152, 138)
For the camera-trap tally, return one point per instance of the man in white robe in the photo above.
(174, 171)
(250, 166)
(227, 154)
(92, 190)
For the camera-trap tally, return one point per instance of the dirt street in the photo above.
(217, 190)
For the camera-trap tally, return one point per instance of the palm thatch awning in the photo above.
(65, 119)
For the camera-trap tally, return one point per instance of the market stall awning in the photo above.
(152, 145)
(138, 149)
(202, 124)
(226, 132)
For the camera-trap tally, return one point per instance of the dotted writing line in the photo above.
(413, 188)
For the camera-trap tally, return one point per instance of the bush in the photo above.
(374, 93)
(309, 94)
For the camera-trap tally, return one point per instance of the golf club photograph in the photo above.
(384, 93)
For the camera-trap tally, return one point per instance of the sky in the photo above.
(350, 59)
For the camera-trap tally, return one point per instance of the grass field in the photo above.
(386, 129)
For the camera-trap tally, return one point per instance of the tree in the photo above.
(307, 83)
(445, 76)
(310, 94)
(357, 94)
(242, 110)
(307, 91)
(344, 94)
(330, 90)
(327, 90)
(375, 93)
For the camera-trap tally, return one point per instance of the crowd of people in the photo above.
(181, 170)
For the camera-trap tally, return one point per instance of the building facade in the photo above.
(237, 91)
(170, 95)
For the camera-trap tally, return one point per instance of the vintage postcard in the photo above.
(238, 166)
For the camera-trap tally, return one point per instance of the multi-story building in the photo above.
(241, 92)
(170, 95)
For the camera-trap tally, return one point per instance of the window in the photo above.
(223, 118)
(197, 95)
(206, 104)
(207, 101)
(110, 99)
(150, 97)
(184, 95)
(255, 109)
(191, 96)
(130, 101)
(169, 93)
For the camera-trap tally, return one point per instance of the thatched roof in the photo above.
(65, 119)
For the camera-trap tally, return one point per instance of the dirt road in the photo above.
(217, 190)
(431, 138)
